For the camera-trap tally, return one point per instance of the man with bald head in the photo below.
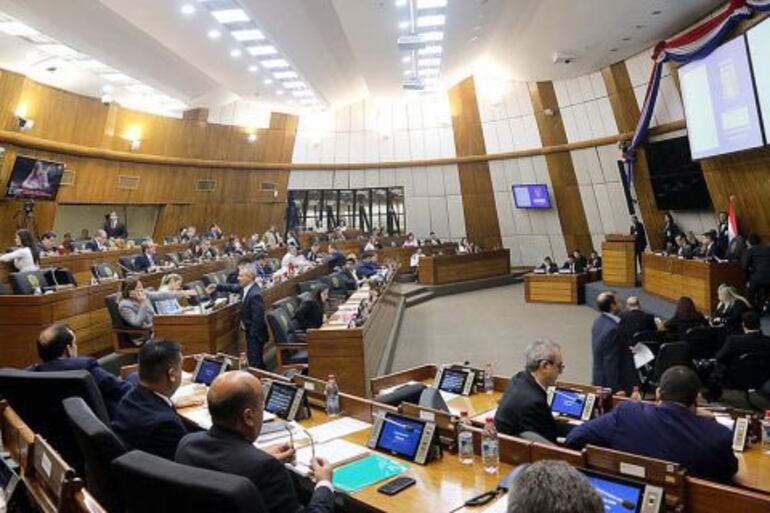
(58, 349)
(236, 403)
(252, 312)
(633, 319)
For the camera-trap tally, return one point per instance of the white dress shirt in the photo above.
(22, 259)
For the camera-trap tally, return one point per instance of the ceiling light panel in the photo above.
(247, 35)
(274, 63)
(431, 4)
(434, 20)
(230, 16)
(14, 28)
(429, 19)
(431, 50)
(285, 75)
(294, 84)
(259, 51)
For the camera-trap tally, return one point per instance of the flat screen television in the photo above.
(534, 196)
(677, 180)
(35, 179)
(720, 102)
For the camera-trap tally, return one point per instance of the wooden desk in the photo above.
(619, 260)
(201, 333)
(440, 270)
(354, 355)
(753, 469)
(403, 256)
(554, 288)
(672, 278)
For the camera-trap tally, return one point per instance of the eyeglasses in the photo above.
(559, 365)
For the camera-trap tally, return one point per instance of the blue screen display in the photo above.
(279, 399)
(400, 436)
(452, 381)
(208, 370)
(568, 402)
(617, 497)
(531, 196)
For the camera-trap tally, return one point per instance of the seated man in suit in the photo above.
(524, 406)
(633, 319)
(572, 266)
(98, 243)
(670, 430)
(58, 349)
(682, 248)
(348, 275)
(368, 265)
(236, 403)
(547, 267)
(145, 418)
(147, 261)
(613, 362)
(579, 258)
(261, 268)
(710, 249)
(47, 246)
(335, 258)
(314, 253)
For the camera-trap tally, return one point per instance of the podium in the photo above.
(619, 260)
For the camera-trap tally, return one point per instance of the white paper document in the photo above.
(642, 355)
(336, 429)
(336, 452)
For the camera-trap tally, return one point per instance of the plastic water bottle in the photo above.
(490, 448)
(332, 397)
(635, 394)
(766, 433)
(465, 439)
(489, 380)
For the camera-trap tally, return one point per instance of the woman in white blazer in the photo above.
(25, 256)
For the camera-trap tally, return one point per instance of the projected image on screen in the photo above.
(719, 102)
(759, 49)
(35, 179)
(617, 497)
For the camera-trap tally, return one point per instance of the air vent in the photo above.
(128, 182)
(267, 186)
(205, 185)
(68, 177)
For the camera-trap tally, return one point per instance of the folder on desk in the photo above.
(372, 469)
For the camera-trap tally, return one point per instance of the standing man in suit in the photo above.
(236, 402)
(145, 418)
(146, 262)
(723, 231)
(633, 319)
(613, 362)
(670, 430)
(573, 266)
(252, 312)
(98, 243)
(640, 239)
(524, 406)
(114, 228)
(58, 349)
(757, 267)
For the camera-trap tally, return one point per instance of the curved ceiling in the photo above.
(343, 49)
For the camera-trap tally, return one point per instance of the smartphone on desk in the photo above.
(396, 485)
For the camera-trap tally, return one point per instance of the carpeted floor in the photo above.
(493, 325)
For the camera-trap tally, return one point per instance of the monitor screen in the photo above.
(400, 436)
(279, 398)
(759, 50)
(453, 381)
(619, 495)
(719, 102)
(531, 196)
(677, 179)
(568, 403)
(207, 371)
(33, 178)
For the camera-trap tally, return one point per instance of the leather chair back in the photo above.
(281, 325)
(28, 282)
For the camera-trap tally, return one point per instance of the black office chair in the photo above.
(59, 276)
(99, 447)
(308, 286)
(127, 339)
(702, 342)
(79, 245)
(337, 289)
(151, 484)
(405, 394)
(748, 373)
(105, 271)
(127, 264)
(214, 278)
(290, 304)
(670, 354)
(37, 398)
(173, 258)
(200, 288)
(290, 346)
(28, 282)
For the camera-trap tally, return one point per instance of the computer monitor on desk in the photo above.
(624, 495)
(572, 404)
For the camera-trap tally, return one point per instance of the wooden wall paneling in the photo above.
(626, 113)
(566, 192)
(481, 221)
(11, 86)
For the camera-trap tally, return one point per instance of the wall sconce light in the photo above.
(24, 123)
(136, 144)
(549, 112)
(134, 136)
(252, 138)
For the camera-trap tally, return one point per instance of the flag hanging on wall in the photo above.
(732, 220)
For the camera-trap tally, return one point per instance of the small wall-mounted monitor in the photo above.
(533, 196)
(33, 178)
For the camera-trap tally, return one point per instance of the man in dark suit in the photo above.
(348, 275)
(613, 362)
(145, 418)
(98, 243)
(640, 238)
(711, 249)
(547, 267)
(335, 258)
(573, 266)
(252, 312)
(751, 341)
(58, 349)
(314, 253)
(757, 266)
(633, 319)
(682, 249)
(524, 406)
(114, 228)
(261, 268)
(147, 261)
(579, 258)
(236, 402)
(670, 430)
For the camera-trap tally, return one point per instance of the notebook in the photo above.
(366, 471)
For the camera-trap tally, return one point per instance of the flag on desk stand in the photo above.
(732, 220)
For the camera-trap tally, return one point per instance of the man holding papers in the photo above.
(236, 403)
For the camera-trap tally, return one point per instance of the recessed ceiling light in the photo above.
(247, 35)
(15, 28)
(262, 50)
(435, 35)
(117, 78)
(406, 59)
(188, 9)
(235, 53)
(230, 16)
(431, 50)
(253, 68)
(285, 75)
(407, 72)
(302, 93)
(275, 63)
(431, 21)
(400, 3)
(431, 4)
(294, 84)
(403, 25)
(214, 34)
(267, 81)
(428, 72)
(429, 62)
(279, 93)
